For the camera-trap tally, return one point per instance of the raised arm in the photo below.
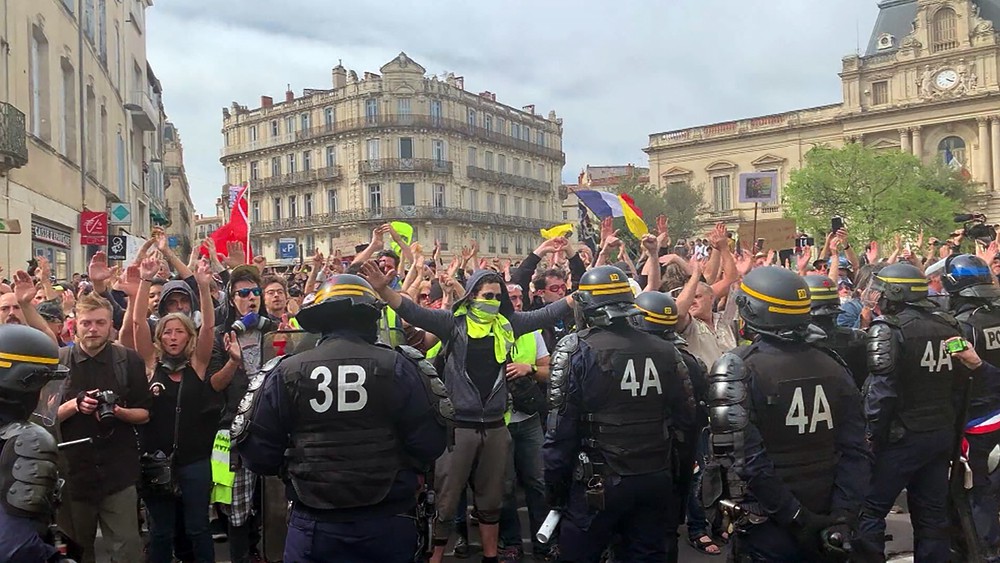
(317, 265)
(686, 297)
(652, 268)
(175, 262)
(436, 321)
(140, 309)
(374, 246)
(404, 249)
(24, 291)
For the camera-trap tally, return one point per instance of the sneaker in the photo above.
(552, 554)
(512, 554)
(461, 549)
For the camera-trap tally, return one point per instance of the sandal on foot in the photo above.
(705, 544)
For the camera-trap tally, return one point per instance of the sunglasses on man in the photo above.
(246, 291)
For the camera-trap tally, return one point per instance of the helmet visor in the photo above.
(49, 399)
(872, 293)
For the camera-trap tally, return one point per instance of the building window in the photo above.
(517, 206)
(529, 208)
(310, 248)
(441, 236)
(305, 122)
(526, 133)
(438, 195)
(880, 92)
(952, 151)
(472, 117)
(39, 84)
(540, 138)
(307, 160)
(307, 206)
(293, 207)
(254, 169)
(490, 200)
(291, 163)
(488, 121)
(502, 163)
(102, 32)
(371, 110)
(518, 246)
(67, 144)
(289, 125)
(515, 130)
(436, 111)
(275, 166)
(255, 214)
(541, 171)
(253, 133)
(403, 107)
(501, 126)
(491, 239)
(331, 201)
(473, 157)
(406, 147)
(437, 149)
(488, 160)
(723, 193)
(474, 200)
(329, 117)
(565, 215)
(407, 195)
(373, 149)
(331, 157)
(517, 167)
(503, 204)
(375, 198)
(944, 34)
(277, 209)
(274, 128)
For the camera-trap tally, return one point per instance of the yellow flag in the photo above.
(633, 216)
(556, 231)
(405, 231)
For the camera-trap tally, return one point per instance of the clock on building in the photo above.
(946, 79)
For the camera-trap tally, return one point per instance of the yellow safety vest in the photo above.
(222, 476)
(525, 351)
(390, 328)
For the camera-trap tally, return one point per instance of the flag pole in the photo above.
(246, 198)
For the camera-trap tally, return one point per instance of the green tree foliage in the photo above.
(878, 193)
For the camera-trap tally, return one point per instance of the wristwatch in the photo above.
(534, 370)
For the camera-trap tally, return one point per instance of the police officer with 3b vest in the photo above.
(787, 431)
(350, 426)
(848, 343)
(910, 403)
(30, 382)
(975, 302)
(617, 397)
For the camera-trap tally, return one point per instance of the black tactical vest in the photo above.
(926, 373)
(345, 452)
(630, 430)
(985, 336)
(849, 344)
(795, 409)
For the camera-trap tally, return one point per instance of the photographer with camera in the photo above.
(106, 397)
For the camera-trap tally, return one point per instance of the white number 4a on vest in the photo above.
(797, 415)
(650, 379)
(935, 364)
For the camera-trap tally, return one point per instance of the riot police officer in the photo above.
(848, 343)
(787, 430)
(29, 364)
(910, 410)
(351, 425)
(616, 398)
(975, 302)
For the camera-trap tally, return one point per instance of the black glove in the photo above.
(556, 494)
(836, 539)
(807, 528)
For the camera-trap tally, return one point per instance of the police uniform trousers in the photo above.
(635, 508)
(985, 493)
(391, 539)
(917, 462)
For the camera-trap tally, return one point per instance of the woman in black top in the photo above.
(178, 356)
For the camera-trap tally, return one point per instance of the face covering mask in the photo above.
(484, 310)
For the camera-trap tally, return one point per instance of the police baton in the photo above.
(548, 526)
(72, 443)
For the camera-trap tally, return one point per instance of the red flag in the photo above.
(631, 203)
(236, 230)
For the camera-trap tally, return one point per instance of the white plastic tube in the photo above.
(548, 526)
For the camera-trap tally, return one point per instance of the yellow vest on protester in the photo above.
(390, 328)
(525, 351)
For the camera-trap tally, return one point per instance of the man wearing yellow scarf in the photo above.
(477, 335)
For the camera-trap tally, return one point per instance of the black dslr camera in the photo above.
(976, 227)
(106, 401)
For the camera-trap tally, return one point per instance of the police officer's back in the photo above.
(29, 360)
(349, 425)
(910, 404)
(848, 343)
(787, 430)
(618, 392)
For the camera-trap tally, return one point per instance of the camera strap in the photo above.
(177, 416)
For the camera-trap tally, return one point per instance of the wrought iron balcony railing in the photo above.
(401, 213)
(429, 165)
(13, 139)
(296, 178)
(476, 173)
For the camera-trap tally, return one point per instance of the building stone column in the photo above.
(995, 144)
(904, 140)
(918, 148)
(983, 169)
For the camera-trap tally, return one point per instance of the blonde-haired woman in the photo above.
(178, 355)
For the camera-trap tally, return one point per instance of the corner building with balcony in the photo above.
(327, 167)
(927, 83)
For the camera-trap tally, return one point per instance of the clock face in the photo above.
(946, 79)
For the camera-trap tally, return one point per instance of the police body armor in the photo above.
(29, 477)
(926, 384)
(630, 431)
(849, 344)
(984, 322)
(345, 452)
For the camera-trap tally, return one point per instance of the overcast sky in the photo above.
(615, 71)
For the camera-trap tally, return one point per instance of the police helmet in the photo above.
(28, 360)
(897, 283)
(823, 295)
(967, 275)
(773, 299)
(343, 295)
(658, 312)
(604, 292)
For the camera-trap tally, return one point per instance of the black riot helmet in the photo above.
(773, 300)
(341, 298)
(603, 295)
(823, 296)
(967, 275)
(896, 285)
(29, 362)
(658, 312)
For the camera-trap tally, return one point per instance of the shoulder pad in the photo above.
(946, 317)
(559, 375)
(272, 363)
(410, 352)
(890, 320)
(245, 410)
(729, 367)
(28, 471)
(880, 348)
(381, 344)
(834, 355)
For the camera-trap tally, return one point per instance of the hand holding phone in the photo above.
(836, 223)
(959, 348)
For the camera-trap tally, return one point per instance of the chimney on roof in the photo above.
(460, 82)
(289, 95)
(339, 75)
(266, 101)
(529, 108)
(488, 95)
